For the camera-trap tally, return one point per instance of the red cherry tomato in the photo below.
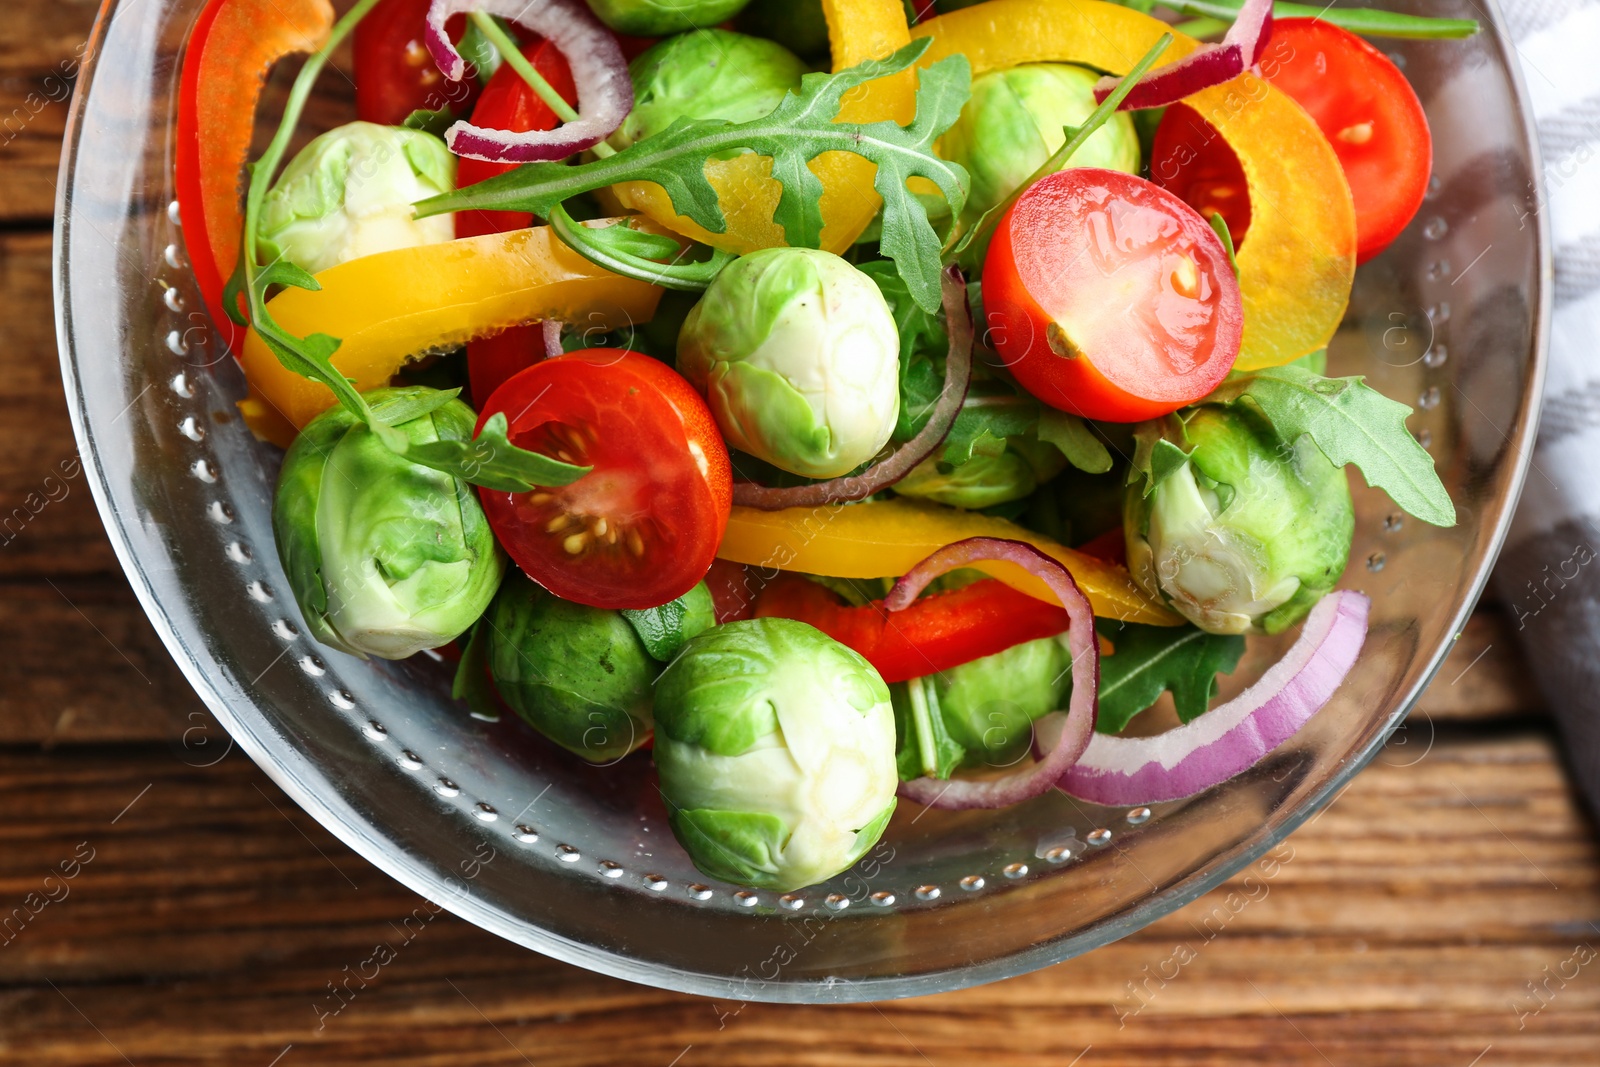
(394, 73)
(1361, 102)
(642, 527)
(508, 103)
(1109, 297)
(934, 634)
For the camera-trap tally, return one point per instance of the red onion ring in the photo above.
(1211, 64)
(550, 332)
(957, 375)
(605, 92)
(1230, 738)
(1078, 723)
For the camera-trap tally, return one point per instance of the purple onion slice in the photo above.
(1230, 738)
(957, 376)
(599, 70)
(1211, 64)
(1076, 725)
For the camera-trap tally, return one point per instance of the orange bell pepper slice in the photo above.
(858, 30)
(392, 306)
(886, 538)
(231, 49)
(1296, 269)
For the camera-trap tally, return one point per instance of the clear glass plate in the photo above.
(577, 862)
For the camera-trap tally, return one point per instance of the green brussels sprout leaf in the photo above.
(1076, 441)
(799, 129)
(1151, 660)
(1155, 457)
(666, 629)
(434, 122)
(637, 254)
(742, 847)
(1351, 423)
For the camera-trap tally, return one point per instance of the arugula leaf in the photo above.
(799, 129)
(924, 343)
(1076, 441)
(471, 682)
(926, 748)
(434, 122)
(985, 422)
(1219, 226)
(1150, 660)
(491, 460)
(633, 253)
(1351, 423)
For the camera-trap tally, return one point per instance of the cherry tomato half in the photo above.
(1358, 99)
(394, 72)
(1109, 297)
(642, 527)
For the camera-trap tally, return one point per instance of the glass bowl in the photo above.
(577, 862)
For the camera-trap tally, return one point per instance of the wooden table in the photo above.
(1444, 910)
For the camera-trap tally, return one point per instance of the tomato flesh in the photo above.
(643, 526)
(394, 72)
(1109, 297)
(1359, 100)
(934, 634)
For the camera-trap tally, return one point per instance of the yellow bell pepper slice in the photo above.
(886, 538)
(858, 30)
(390, 307)
(1298, 262)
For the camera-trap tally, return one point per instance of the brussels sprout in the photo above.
(1014, 120)
(989, 704)
(1248, 533)
(984, 480)
(708, 74)
(799, 24)
(385, 557)
(776, 749)
(657, 18)
(798, 356)
(579, 675)
(349, 194)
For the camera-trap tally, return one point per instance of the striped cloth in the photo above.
(1549, 574)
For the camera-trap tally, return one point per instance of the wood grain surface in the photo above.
(1445, 910)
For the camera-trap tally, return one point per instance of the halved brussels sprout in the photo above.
(1014, 121)
(385, 557)
(799, 359)
(1248, 533)
(776, 751)
(349, 194)
(707, 74)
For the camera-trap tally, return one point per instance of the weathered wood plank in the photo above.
(1401, 927)
(41, 46)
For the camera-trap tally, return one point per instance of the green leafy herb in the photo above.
(923, 346)
(1150, 660)
(633, 253)
(799, 129)
(984, 424)
(926, 747)
(1366, 21)
(1351, 423)
(491, 460)
(1219, 226)
(434, 122)
(471, 682)
(1076, 441)
(967, 245)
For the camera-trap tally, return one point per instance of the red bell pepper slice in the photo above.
(934, 634)
(230, 52)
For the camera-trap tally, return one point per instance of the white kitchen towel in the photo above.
(1549, 574)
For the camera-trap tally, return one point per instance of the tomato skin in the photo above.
(1109, 297)
(662, 485)
(394, 72)
(1360, 101)
(934, 634)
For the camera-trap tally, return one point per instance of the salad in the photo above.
(824, 402)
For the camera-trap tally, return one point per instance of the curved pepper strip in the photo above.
(1296, 268)
(886, 538)
(933, 634)
(389, 307)
(231, 49)
(858, 30)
